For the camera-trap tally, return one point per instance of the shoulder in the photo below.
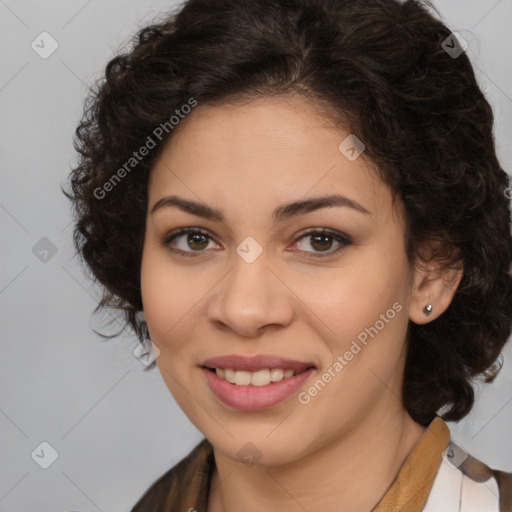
(185, 486)
(466, 484)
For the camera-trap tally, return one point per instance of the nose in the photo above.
(251, 299)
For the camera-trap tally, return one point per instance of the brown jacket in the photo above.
(437, 476)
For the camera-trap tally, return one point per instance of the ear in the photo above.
(434, 283)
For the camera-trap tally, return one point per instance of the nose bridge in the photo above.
(249, 287)
(251, 296)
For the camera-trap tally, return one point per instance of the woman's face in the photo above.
(264, 282)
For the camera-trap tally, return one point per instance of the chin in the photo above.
(259, 449)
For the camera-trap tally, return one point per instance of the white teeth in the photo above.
(260, 378)
(257, 378)
(276, 374)
(242, 378)
(229, 375)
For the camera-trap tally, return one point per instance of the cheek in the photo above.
(352, 297)
(168, 295)
(365, 307)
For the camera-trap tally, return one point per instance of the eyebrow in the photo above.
(280, 214)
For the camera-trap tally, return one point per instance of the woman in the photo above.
(299, 203)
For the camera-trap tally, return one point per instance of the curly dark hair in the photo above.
(382, 68)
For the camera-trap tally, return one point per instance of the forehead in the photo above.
(261, 153)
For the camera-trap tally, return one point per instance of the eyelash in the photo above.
(342, 239)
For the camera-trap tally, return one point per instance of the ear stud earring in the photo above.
(427, 310)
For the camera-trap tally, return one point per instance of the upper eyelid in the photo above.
(302, 233)
(306, 231)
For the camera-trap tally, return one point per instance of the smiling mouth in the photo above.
(261, 377)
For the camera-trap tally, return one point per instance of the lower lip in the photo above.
(255, 397)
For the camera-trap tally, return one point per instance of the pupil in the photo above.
(316, 238)
(193, 238)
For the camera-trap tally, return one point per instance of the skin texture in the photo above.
(342, 450)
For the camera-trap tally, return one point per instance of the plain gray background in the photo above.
(115, 427)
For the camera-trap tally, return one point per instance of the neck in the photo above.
(349, 474)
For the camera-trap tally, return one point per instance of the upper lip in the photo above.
(254, 363)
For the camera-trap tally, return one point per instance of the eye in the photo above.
(197, 239)
(322, 239)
